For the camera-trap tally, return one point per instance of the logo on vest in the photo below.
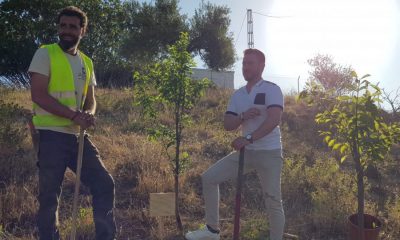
(82, 74)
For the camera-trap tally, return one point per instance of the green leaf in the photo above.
(184, 155)
(343, 148)
(342, 159)
(363, 87)
(327, 138)
(331, 142)
(376, 124)
(336, 146)
(353, 74)
(365, 76)
(344, 98)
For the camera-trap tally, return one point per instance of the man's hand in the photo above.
(239, 143)
(232, 122)
(84, 119)
(251, 113)
(89, 117)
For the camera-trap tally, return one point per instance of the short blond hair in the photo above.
(260, 55)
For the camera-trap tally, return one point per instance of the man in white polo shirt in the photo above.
(257, 108)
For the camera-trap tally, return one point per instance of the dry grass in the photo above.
(317, 197)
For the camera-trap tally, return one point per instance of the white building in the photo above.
(223, 79)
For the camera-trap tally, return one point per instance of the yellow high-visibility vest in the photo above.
(62, 87)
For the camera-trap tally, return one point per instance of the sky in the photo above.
(364, 34)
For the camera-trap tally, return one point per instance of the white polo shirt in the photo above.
(263, 95)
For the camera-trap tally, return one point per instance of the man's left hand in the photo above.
(239, 143)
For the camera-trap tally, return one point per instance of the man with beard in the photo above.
(62, 90)
(257, 109)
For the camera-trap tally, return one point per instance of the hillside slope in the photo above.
(318, 195)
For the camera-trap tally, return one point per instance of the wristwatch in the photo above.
(249, 138)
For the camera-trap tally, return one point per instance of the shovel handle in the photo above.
(236, 229)
(77, 183)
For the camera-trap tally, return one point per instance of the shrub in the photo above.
(84, 228)
(393, 218)
(12, 130)
(333, 196)
(254, 229)
(16, 158)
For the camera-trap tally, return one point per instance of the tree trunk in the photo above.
(360, 193)
(177, 170)
(177, 214)
(360, 174)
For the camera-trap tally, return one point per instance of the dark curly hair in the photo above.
(73, 11)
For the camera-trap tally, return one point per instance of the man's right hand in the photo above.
(84, 119)
(232, 122)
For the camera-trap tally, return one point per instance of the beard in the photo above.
(68, 44)
(249, 76)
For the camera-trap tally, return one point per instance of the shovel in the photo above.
(236, 228)
(78, 177)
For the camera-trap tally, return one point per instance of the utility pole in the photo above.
(298, 85)
(250, 35)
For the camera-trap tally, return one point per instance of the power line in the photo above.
(250, 33)
(282, 76)
(271, 16)
(237, 37)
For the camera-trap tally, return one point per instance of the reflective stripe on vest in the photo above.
(61, 87)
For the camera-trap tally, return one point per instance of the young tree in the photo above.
(168, 83)
(356, 130)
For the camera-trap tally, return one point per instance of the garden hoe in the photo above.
(78, 177)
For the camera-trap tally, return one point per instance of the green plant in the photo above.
(167, 85)
(11, 133)
(340, 197)
(393, 217)
(85, 227)
(356, 130)
(255, 229)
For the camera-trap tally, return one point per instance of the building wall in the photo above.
(223, 79)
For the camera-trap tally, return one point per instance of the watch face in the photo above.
(248, 137)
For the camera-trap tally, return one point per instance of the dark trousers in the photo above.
(57, 151)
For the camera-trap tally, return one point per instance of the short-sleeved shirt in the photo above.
(41, 64)
(263, 95)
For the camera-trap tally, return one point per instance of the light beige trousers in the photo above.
(268, 165)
